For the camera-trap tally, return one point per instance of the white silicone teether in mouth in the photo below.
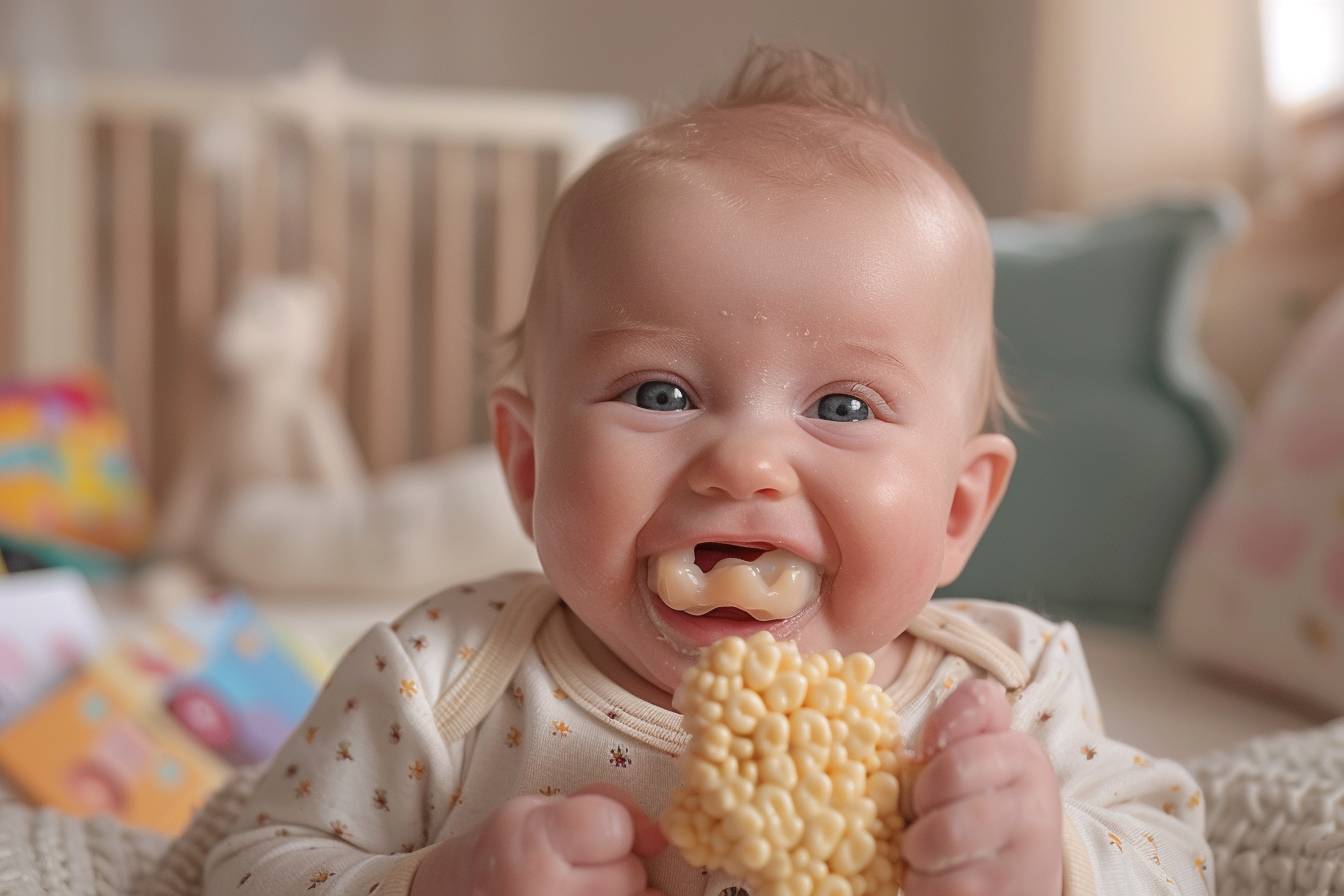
(776, 585)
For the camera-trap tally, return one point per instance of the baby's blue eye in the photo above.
(658, 395)
(842, 408)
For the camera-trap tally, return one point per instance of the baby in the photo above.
(756, 390)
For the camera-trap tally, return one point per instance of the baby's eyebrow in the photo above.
(672, 336)
(879, 354)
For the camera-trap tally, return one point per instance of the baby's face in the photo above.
(762, 368)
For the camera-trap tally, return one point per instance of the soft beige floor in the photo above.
(1151, 700)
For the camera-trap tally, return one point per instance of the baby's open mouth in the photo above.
(751, 580)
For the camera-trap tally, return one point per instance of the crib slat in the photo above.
(259, 238)
(9, 324)
(328, 224)
(132, 281)
(516, 230)
(389, 317)
(453, 324)
(197, 298)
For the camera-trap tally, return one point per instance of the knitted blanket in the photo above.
(45, 852)
(1275, 813)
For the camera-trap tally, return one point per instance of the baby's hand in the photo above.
(590, 843)
(987, 809)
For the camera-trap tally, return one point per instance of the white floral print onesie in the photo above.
(481, 694)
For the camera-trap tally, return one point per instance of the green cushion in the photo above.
(1126, 423)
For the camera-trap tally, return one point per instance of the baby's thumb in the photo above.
(649, 839)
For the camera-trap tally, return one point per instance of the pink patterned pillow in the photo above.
(1258, 587)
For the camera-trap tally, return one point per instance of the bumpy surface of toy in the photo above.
(794, 777)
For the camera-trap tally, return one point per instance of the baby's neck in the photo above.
(890, 660)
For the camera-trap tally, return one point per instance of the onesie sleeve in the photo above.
(351, 802)
(1133, 824)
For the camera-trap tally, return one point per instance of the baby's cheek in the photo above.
(895, 534)
(594, 492)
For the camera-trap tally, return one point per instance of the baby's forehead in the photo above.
(771, 154)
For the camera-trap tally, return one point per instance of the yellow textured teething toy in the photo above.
(794, 776)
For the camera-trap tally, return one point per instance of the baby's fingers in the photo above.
(982, 877)
(961, 833)
(588, 829)
(974, 766)
(624, 877)
(648, 837)
(975, 707)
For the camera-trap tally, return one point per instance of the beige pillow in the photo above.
(1258, 587)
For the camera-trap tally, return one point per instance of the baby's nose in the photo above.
(742, 467)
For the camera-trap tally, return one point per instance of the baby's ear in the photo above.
(986, 464)
(511, 417)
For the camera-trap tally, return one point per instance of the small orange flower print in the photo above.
(343, 752)
(246, 878)
(1175, 788)
(339, 829)
(419, 643)
(408, 688)
(379, 663)
(283, 832)
(548, 790)
(1047, 635)
(455, 798)
(948, 682)
(263, 819)
(517, 694)
(1063, 645)
(305, 787)
(394, 733)
(1089, 751)
(380, 800)
(1169, 808)
(396, 627)
(416, 770)
(320, 877)
(1193, 802)
(1201, 865)
(1046, 715)
(620, 757)
(310, 733)
(559, 694)
(433, 614)
(465, 652)
(559, 729)
(351, 705)
(1115, 841)
(1316, 632)
(291, 770)
(497, 604)
(513, 738)
(1142, 761)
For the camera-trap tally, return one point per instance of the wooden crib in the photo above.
(132, 208)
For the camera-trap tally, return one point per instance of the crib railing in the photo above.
(421, 210)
